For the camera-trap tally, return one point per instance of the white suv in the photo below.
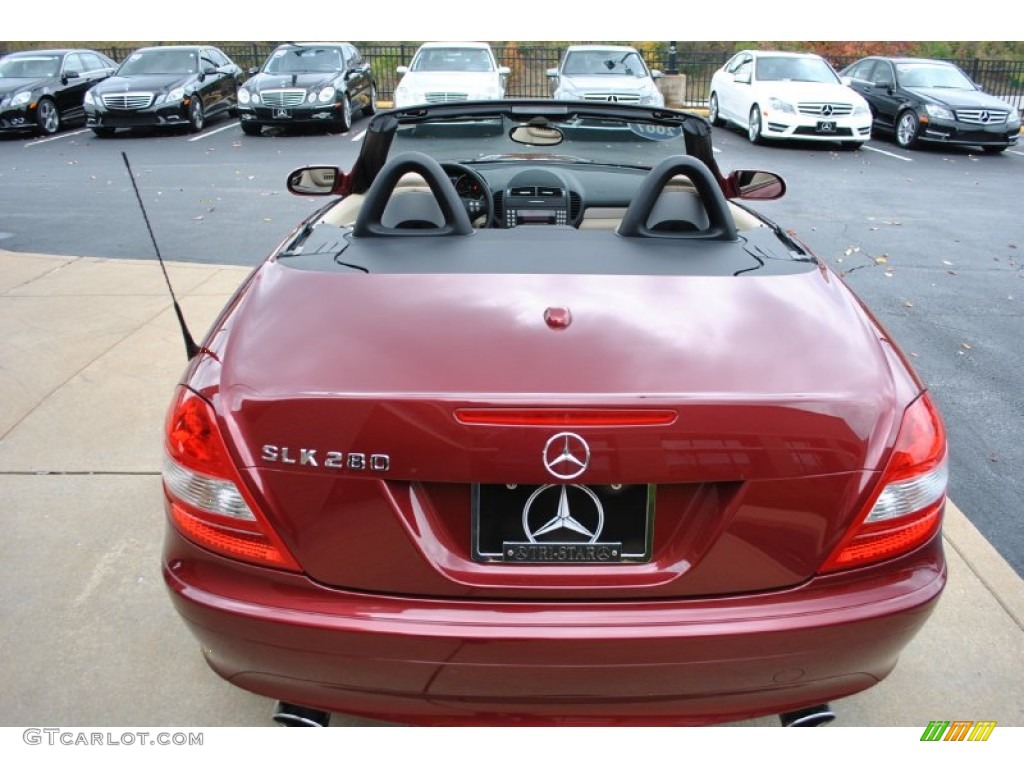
(606, 73)
(443, 72)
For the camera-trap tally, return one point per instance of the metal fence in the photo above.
(529, 64)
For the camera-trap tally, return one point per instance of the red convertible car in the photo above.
(535, 422)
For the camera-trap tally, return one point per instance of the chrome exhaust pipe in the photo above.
(808, 718)
(294, 716)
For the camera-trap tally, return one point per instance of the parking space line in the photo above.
(358, 136)
(54, 138)
(887, 154)
(1015, 152)
(210, 133)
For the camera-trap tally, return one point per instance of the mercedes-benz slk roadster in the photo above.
(538, 421)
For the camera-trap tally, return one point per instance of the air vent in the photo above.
(575, 203)
(523, 192)
(549, 192)
(499, 206)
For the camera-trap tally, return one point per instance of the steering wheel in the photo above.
(453, 212)
(473, 191)
(721, 224)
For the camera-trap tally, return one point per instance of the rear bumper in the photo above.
(17, 119)
(782, 125)
(160, 116)
(484, 662)
(301, 115)
(954, 132)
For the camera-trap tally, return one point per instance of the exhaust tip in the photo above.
(294, 716)
(808, 718)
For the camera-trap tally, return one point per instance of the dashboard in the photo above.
(504, 198)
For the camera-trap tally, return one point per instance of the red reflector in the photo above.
(559, 417)
(241, 545)
(870, 546)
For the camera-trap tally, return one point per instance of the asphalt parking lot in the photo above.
(930, 240)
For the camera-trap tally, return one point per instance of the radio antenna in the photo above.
(191, 348)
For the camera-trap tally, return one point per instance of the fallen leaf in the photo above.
(993, 457)
(947, 263)
(914, 354)
(908, 304)
(881, 259)
(965, 345)
(197, 218)
(952, 271)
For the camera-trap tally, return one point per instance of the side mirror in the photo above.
(846, 80)
(553, 72)
(742, 77)
(69, 75)
(252, 71)
(504, 71)
(656, 73)
(318, 180)
(883, 84)
(402, 70)
(755, 185)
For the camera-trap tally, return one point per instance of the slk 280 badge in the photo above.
(313, 457)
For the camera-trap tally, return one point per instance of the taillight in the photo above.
(207, 504)
(906, 510)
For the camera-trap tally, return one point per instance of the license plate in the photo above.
(563, 524)
(282, 114)
(826, 126)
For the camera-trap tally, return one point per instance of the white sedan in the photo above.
(443, 72)
(782, 95)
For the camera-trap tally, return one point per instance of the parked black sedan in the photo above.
(308, 83)
(42, 90)
(925, 100)
(165, 86)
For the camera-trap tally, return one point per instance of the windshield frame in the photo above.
(281, 55)
(626, 63)
(50, 57)
(903, 68)
(684, 133)
(787, 66)
(127, 68)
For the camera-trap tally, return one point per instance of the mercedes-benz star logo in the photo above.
(826, 110)
(563, 519)
(566, 455)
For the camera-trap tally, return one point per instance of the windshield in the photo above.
(801, 69)
(453, 60)
(635, 142)
(291, 60)
(932, 76)
(30, 66)
(610, 62)
(157, 62)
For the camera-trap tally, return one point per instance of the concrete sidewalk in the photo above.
(89, 355)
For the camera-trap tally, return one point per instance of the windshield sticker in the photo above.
(656, 132)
